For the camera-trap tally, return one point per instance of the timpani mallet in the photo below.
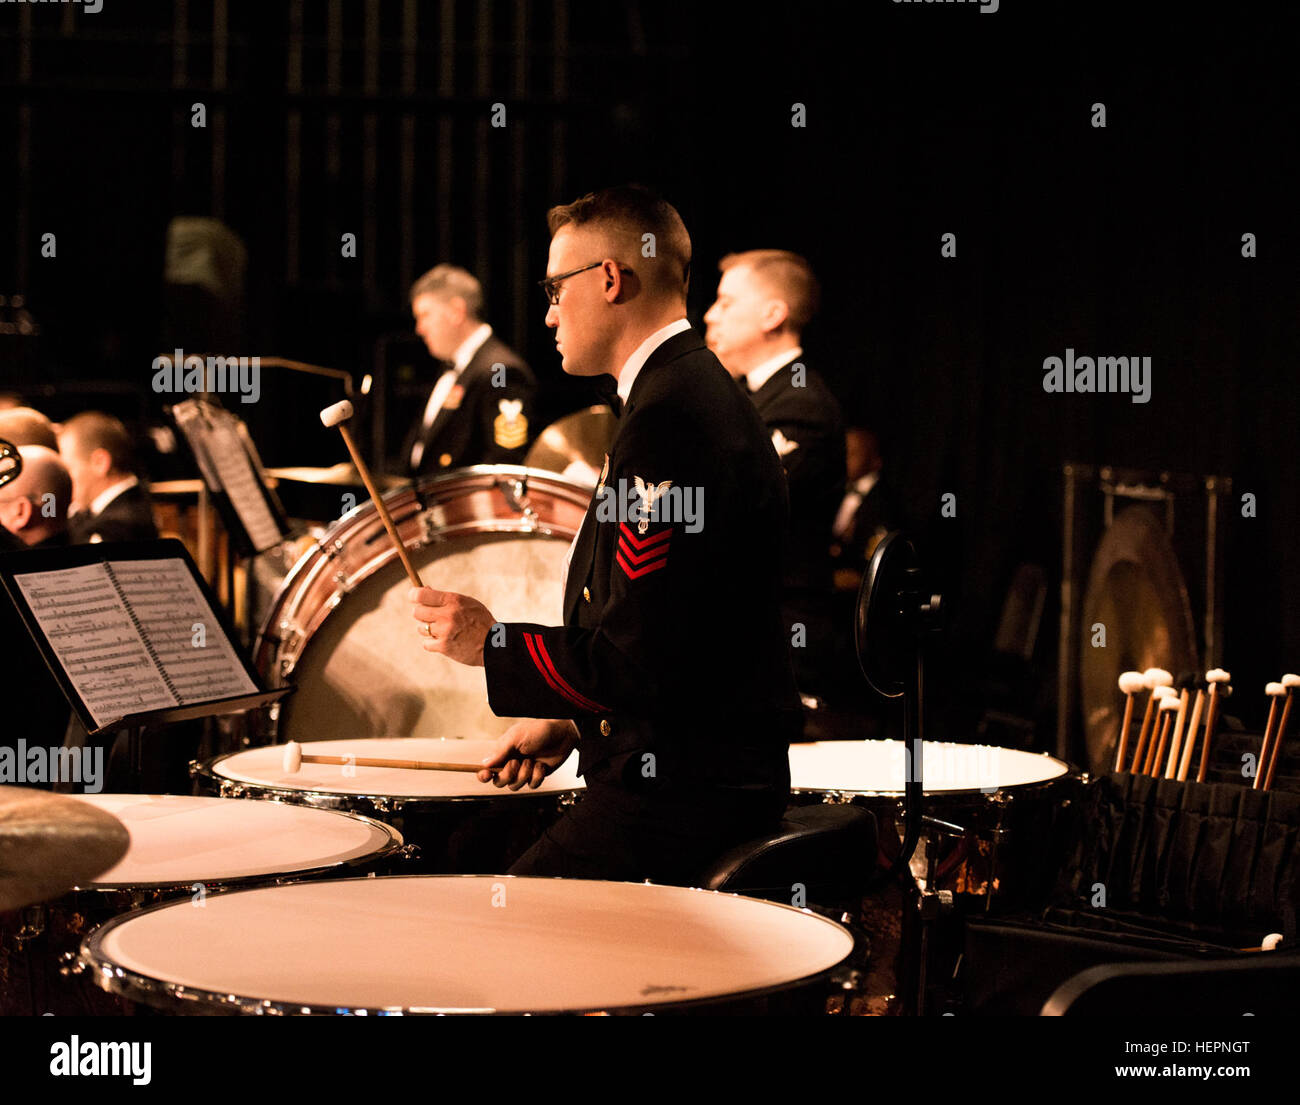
(1130, 683)
(338, 416)
(1161, 694)
(294, 758)
(1198, 707)
(1276, 692)
(1168, 706)
(1175, 740)
(1220, 688)
(1290, 681)
(1153, 677)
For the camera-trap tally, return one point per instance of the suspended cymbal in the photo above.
(575, 444)
(1136, 591)
(340, 475)
(50, 843)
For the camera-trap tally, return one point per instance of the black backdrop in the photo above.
(372, 118)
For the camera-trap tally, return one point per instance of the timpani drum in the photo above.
(470, 944)
(340, 628)
(997, 817)
(192, 849)
(458, 824)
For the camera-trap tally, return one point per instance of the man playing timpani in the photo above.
(670, 674)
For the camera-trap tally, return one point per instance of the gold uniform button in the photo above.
(445, 459)
(604, 727)
(586, 593)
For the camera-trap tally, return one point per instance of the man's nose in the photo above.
(552, 317)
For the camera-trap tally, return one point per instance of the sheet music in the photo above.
(96, 641)
(106, 652)
(242, 484)
(176, 620)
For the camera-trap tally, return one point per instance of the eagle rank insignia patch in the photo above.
(510, 427)
(637, 554)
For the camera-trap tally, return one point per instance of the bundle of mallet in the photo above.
(1167, 739)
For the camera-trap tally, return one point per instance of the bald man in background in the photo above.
(27, 426)
(34, 508)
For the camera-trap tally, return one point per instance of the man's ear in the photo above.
(101, 462)
(23, 513)
(775, 312)
(619, 285)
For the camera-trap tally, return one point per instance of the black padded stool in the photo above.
(829, 850)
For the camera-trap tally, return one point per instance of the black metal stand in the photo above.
(894, 617)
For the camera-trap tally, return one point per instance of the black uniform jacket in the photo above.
(479, 423)
(811, 443)
(672, 643)
(129, 517)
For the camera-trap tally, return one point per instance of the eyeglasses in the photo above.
(551, 285)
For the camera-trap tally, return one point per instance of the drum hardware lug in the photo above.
(408, 853)
(341, 579)
(934, 903)
(382, 804)
(567, 801)
(431, 522)
(31, 926)
(515, 493)
(70, 965)
(837, 798)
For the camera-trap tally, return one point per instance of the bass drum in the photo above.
(340, 628)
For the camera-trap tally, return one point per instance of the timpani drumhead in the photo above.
(878, 767)
(264, 767)
(179, 840)
(464, 944)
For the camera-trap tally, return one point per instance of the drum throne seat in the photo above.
(827, 849)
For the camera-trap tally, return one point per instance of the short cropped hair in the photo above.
(96, 430)
(634, 211)
(25, 426)
(445, 281)
(789, 275)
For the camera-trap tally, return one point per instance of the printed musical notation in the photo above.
(134, 635)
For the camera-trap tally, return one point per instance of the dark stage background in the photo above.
(373, 119)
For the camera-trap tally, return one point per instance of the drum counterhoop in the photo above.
(340, 628)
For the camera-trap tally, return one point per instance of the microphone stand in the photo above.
(895, 616)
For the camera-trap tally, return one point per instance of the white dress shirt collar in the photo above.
(757, 377)
(100, 501)
(470, 346)
(633, 365)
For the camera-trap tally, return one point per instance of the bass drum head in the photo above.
(341, 629)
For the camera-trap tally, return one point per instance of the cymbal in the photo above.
(340, 475)
(578, 439)
(50, 843)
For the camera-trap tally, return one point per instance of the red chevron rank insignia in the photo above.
(639, 556)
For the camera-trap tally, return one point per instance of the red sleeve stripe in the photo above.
(643, 542)
(544, 664)
(637, 573)
(641, 558)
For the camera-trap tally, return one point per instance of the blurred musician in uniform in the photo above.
(765, 299)
(34, 507)
(109, 503)
(865, 514)
(480, 410)
(670, 673)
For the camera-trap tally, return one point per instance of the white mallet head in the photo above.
(292, 757)
(1290, 681)
(1271, 941)
(1163, 693)
(1131, 682)
(1157, 677)
(339, 412)
(1274, 690)
(1217, 675)
(1168, 701)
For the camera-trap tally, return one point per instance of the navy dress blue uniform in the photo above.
(128, 517)
(807, 430)
(480, 423)
(671, 659)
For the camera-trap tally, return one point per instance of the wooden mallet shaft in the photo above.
(1130, 683)
(1175, 740)
(294, 758)
(1215, 677)
(1198, 707)
(1276, 692)
(1167, 708)
(337, 416)
(1290, 682)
